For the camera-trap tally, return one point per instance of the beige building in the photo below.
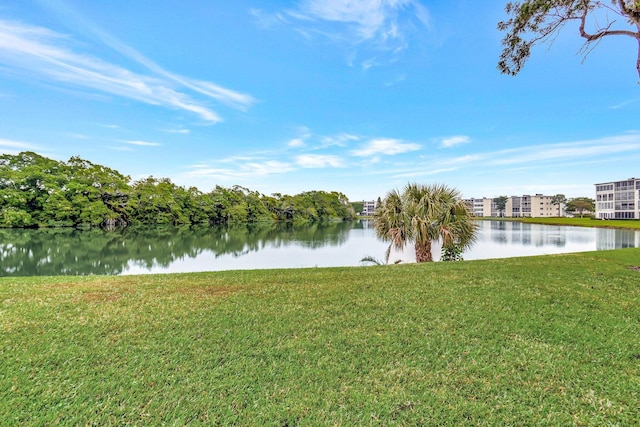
(536, 206)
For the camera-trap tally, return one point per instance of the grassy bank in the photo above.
(547, 340)
(581, 222)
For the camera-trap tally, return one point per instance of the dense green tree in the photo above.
(559, 200)
(533, 22)
(281, 206)
(99, 193)
(501, 204)
(11, 216)
(581, 205)
(422, 214)
(157, 202)
(357, 206)
(37, 191)
(27, 180)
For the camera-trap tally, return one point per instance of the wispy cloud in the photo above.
(319, 161)
(179, 131)
(142, 143)
(454, 140)
(566, 151)
(367, 20)
(306, 138)
(424, 173)
(623, 104)
(8, 146)
(76, 135)
(241, 171)
(386, 146)
(40, 53)
(531, 157)
(341, 140)
(379, 26)
(267, 20)
(301, 139)
(296, 143)
(397, 80)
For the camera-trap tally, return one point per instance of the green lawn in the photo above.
(551, 340)
(582, 222)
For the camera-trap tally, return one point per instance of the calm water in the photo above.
(164, 250)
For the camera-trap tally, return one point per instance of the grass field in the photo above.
(552, 340)
(582, 222)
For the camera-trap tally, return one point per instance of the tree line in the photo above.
(36, 191)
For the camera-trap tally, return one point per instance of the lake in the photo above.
(136, 250)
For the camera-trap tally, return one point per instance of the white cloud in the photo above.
(454, 140)
(566, 151)
(296, 142)
(319, 161)
(269, 167)
(562, 155)
(266, 20)
(43, 54)
(380, 27)
(8, 146)
(386, 146)
(424, 173)
(623, 104)
(143, 143)
(246, 170)
(179, 131)
(340, 140)
(367, 20)
(76, 135)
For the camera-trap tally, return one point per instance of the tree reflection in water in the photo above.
(68, 251)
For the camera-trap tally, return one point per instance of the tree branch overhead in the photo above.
(533, 22)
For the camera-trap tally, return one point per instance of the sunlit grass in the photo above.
(523, 341)
(576, 221)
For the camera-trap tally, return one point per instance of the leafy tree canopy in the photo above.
(581, 205)
(501, 203)
(532, 22)
(37, 191)
(559, 200)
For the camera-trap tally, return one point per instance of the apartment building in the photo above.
(618, 199)
(369, 206)
(475, 206)
(536, 206)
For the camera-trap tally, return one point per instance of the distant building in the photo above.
(475, 206)
(618, 199)
(368, 207)
(536, 206)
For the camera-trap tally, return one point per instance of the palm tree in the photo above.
(422, 214)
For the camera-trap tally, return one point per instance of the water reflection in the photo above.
(170, 249)
(69, 251)
(503, 239)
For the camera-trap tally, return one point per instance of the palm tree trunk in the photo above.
(423, 252)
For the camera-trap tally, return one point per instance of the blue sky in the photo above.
(356, 96)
